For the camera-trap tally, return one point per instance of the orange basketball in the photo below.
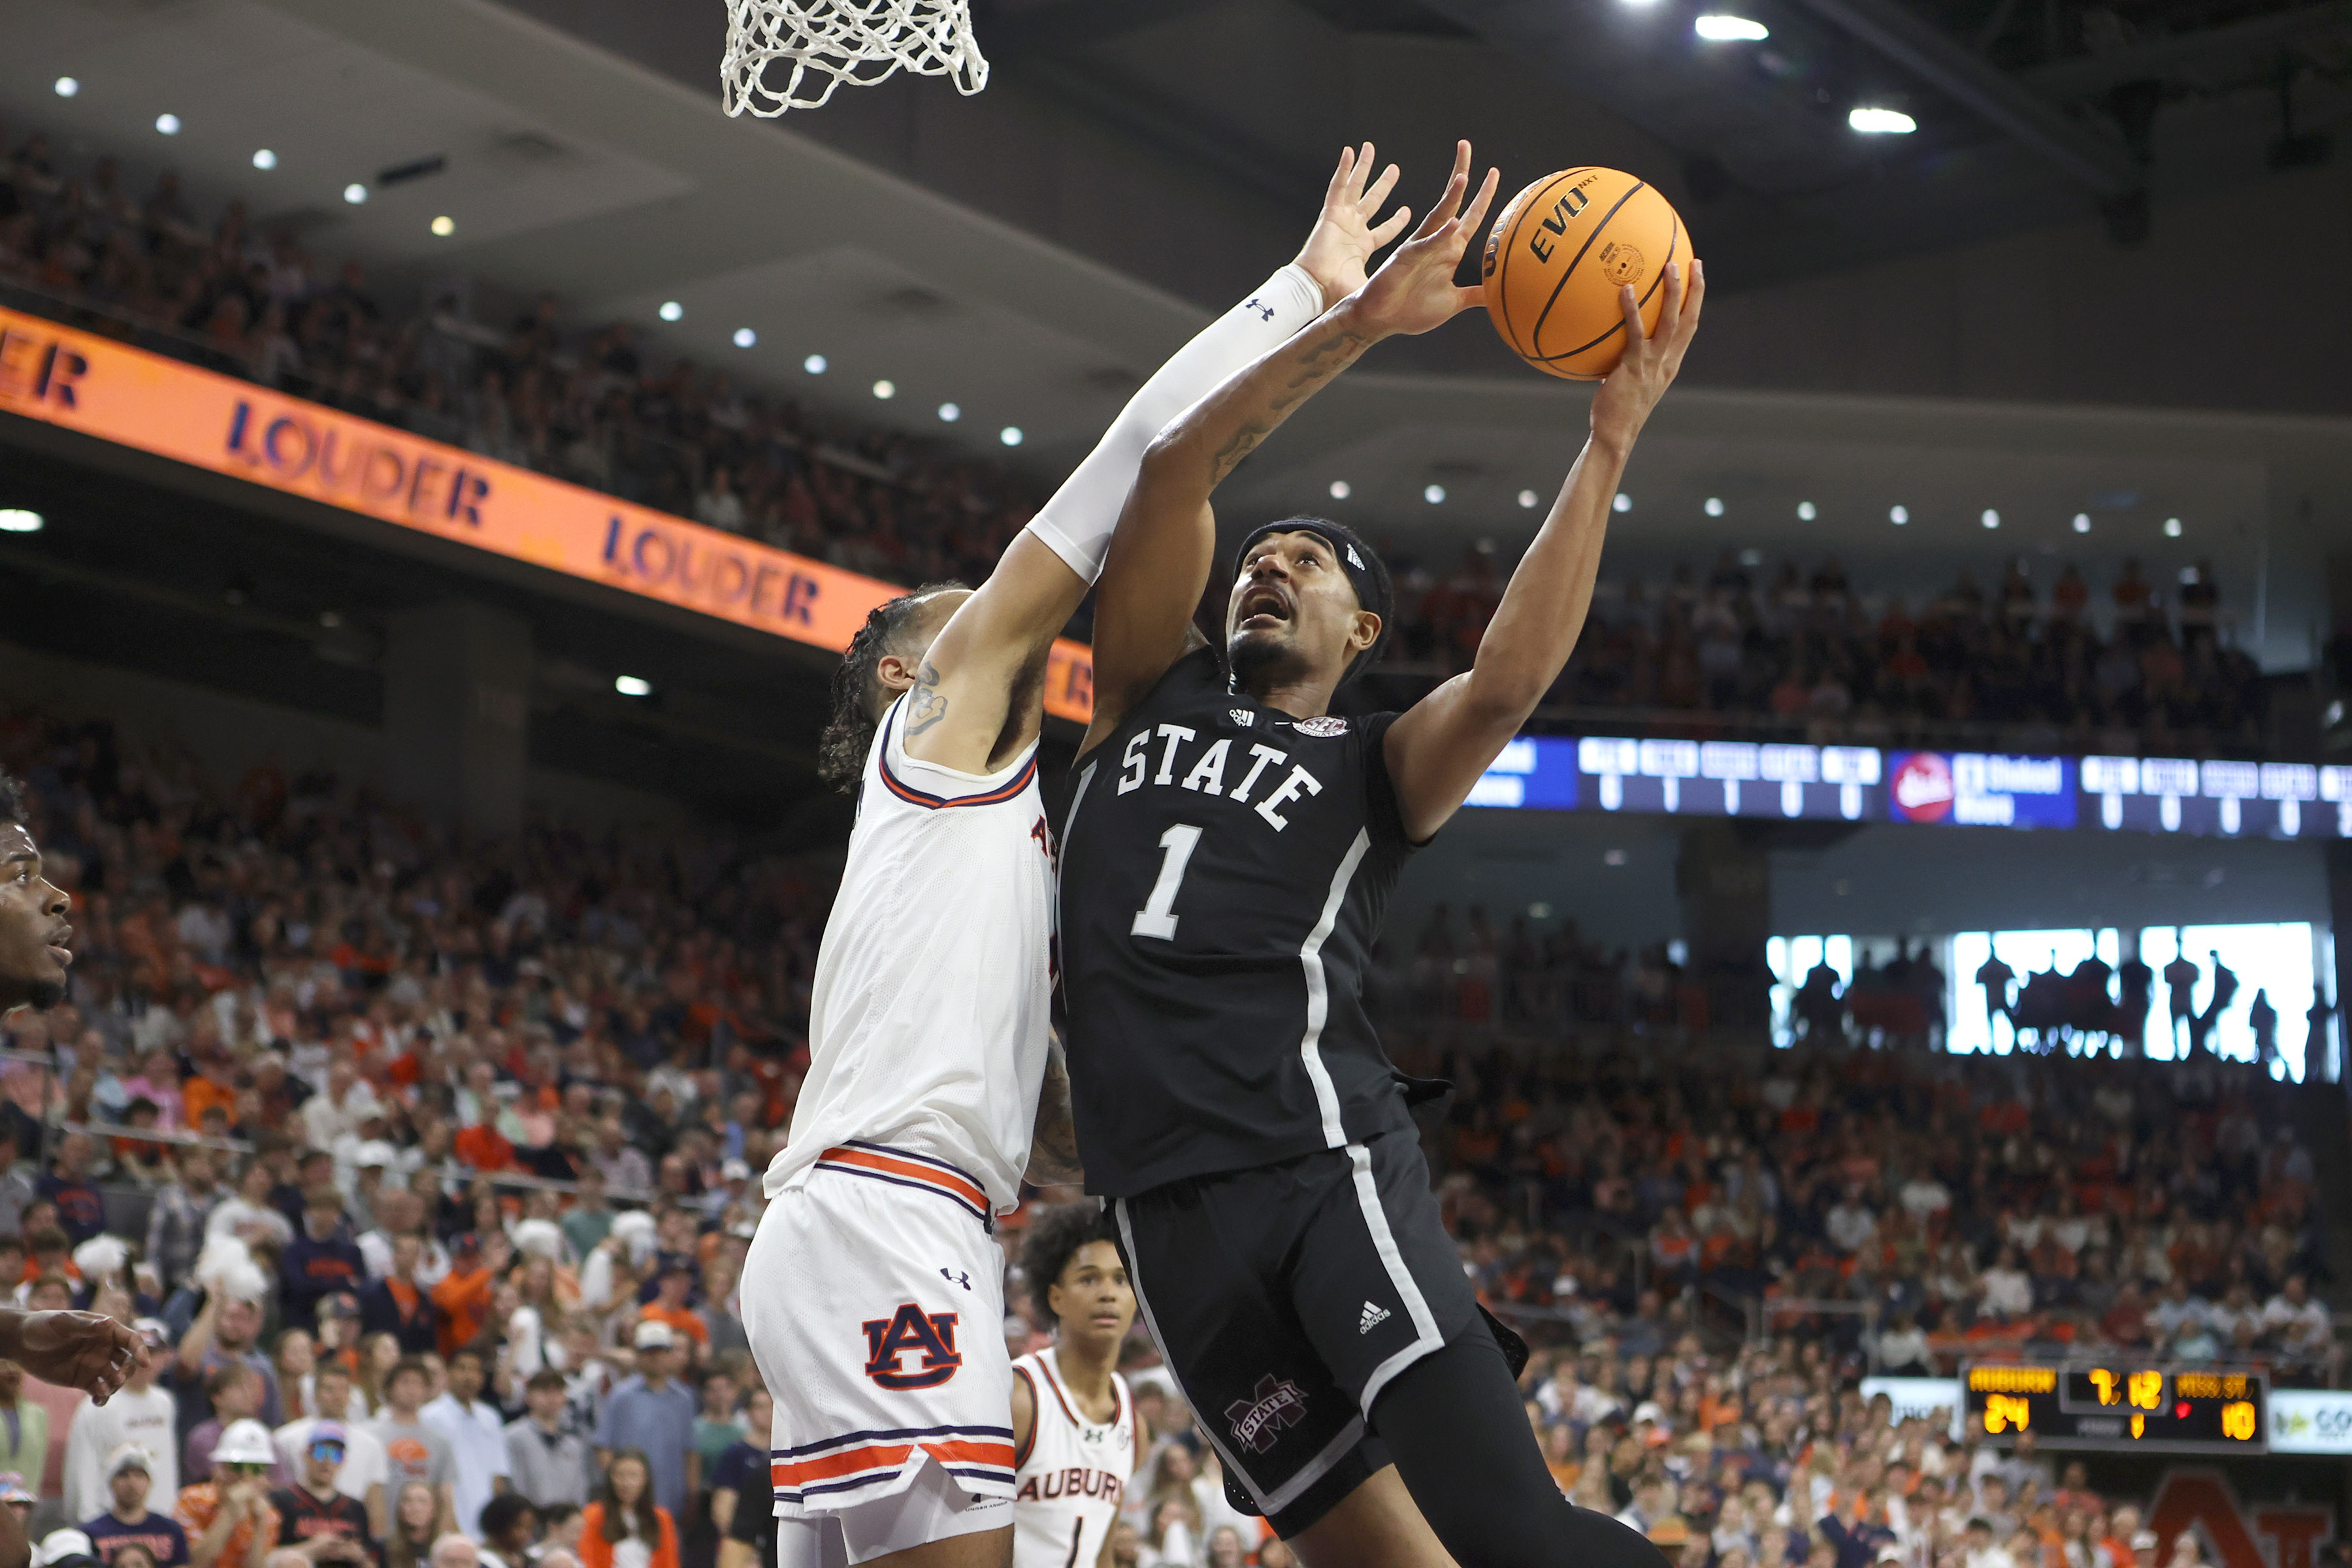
(1560, 253)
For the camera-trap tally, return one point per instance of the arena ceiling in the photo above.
(1030, 254)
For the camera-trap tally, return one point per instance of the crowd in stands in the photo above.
(590, 406)
(454, 1273)
(450, 1150)
(1803, 654)
(1813, 656)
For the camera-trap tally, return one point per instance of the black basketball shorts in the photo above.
(1284, 1299)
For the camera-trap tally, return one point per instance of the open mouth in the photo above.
(1263, 606)
(57, 948)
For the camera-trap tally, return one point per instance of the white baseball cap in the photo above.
(245, 1443)
(128, 1456)
(60, 1544)
(654, 1336)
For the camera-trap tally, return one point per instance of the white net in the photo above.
(815, 46)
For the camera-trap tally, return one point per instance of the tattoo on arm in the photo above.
(1318, 365)
(1054, 1146)
(924, 705)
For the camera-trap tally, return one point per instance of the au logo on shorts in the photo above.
(889, 1339)
(1259, 1420)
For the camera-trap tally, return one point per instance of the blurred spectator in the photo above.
(139, 1414)
(547, 1462)
(624, 1526)
(126, 1518)
(651, 1414)
(477, 1437)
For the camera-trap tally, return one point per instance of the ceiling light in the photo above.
(1721, 29)
(169, 124)
(886, 390)
(1612, 857)
(16, 518)
(1010, 435)
(1622, 503)
(1528, 499)
(1341, 489)
(745, 337)
(632, 685)
(1714, 506)
(1882, 121)
(671, 311)
(263, 158)
(1898, 515)
(1433, 494)
(1806, 512)
(68, 87)
(444, 226)
(355, 193)
(2171, 528)
(814, 364)
(950, 412)
(2081, 522)
(1989, 518)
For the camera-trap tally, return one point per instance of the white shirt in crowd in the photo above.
(147, 1419)
(479, 1439)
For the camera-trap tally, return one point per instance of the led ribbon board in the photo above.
(77, 381)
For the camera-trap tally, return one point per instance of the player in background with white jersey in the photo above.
(873, 1291)
(1076, 1437)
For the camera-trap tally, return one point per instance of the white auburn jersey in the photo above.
(928, 1026)
(1068, 1482)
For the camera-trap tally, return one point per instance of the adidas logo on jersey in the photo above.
(1375, 1315)
(1241, 715)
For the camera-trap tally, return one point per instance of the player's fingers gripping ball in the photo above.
(1558, 255)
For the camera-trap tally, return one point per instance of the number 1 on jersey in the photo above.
(1158, 916)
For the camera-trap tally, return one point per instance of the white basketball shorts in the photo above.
(874, 1297)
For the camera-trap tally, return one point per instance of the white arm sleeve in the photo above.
(1077, 523)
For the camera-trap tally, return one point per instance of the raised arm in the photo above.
(989, 656)
(1439, 748)
(1158, 559)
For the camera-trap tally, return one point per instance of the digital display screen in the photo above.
(2119, 1406)
(1953, 789)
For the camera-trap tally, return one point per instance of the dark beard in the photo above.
(1258, 663)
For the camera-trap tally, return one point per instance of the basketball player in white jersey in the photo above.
(873, 1293)
(1076, 1433)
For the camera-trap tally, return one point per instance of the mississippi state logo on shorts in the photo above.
(911, 1331)
(1259, 1420)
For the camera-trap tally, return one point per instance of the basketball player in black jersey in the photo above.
(1229, 850)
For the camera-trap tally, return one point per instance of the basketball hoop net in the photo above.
(828, 42)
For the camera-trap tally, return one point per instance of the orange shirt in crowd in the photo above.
(595, 1552)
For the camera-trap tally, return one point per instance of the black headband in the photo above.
(1365, 572)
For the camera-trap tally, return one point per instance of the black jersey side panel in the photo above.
(1225, 871)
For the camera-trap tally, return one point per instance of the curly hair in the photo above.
(858, 704)
(12, 798)
(1054, 1237)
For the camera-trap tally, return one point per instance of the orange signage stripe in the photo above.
(134, 398)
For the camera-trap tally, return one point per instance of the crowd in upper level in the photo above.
(2025, 666)
(588, 406)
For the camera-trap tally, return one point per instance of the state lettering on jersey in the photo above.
(889, 1340)
(1210, 768)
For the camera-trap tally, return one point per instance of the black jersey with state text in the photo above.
(1225, 871)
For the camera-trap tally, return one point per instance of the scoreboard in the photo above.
(2119, 1407)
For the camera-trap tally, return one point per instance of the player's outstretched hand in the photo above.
(1414, 290)
(75, 1349)
(1339, 250)
(1651, 360)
